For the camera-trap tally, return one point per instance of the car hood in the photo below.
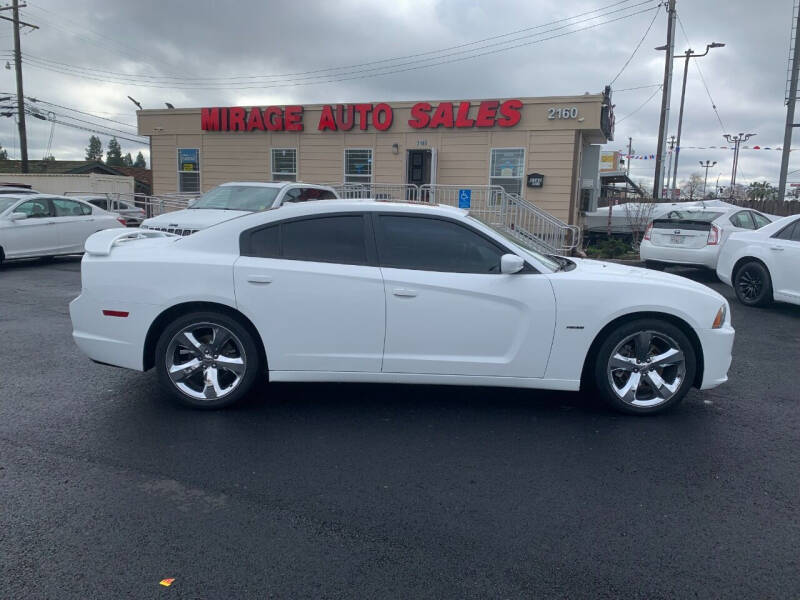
(602, 270)
(194, 218)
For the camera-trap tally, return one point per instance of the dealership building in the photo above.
(544, 149)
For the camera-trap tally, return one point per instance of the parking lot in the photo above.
(107, 487)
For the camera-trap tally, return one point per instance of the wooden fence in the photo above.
(771, 207)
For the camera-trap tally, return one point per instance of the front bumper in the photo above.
(717, 347)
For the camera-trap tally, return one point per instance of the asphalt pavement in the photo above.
(367, 491)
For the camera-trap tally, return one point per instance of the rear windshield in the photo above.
(6, 202)
(688, 215)
(238, 197)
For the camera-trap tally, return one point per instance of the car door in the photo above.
(450, 311)
(314, 292)
(34, 235)
(784, 252)
(74, 222)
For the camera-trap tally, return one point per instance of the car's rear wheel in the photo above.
(207, 360)
(645, 366)
(753, 285)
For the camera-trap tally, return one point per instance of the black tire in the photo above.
(247, 348)
(662, 331)
(752, 284)
(655, 266)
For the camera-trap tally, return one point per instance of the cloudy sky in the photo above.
(90, 55)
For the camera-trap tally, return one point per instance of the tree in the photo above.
(127, 160)
(95, 150)
(693, 188)
(140, 162)
(114, 153)
(761, 190)
(49, 158)
(3, 153)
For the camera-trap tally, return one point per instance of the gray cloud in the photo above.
(215, 40)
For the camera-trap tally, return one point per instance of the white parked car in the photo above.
(764, 265)
(43, 225)
(396, 293)
(235, 199)
(693, 237)
(133, 215)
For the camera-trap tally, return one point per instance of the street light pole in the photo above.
(688, 54)
(706, 165)
(736, 140)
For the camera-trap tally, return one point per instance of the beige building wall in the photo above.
(552, 147)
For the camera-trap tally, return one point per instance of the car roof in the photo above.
(313, 207)
(273, 184)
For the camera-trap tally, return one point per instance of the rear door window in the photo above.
(760, 220)
(790, 232)
(742, 219)
(70, 208)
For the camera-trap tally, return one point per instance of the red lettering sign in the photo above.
(254, 120)
(510, 109)
(442, 116)
(363, 111)
(419, 115)
(209, 119)
(294, 118)
(236, 119)
(270, 122)
(462, 118)
(326, 120)
(382, 117)
(341, 123)
(486, 112)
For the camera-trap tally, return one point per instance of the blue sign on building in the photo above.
(464, 198)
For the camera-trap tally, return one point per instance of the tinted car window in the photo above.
(338, 239)
(238, 197)
(760, 220)
(265, 243)
(100, 203)
(426, 244)
(742, 219)
(35, 209)
(70, 208)
(790, 232)
(306, 194)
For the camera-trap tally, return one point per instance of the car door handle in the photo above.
(404, 292)
(259, 279)
(778, 248)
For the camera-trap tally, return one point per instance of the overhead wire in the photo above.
(636, 49)
(44, 64)
(641, 106)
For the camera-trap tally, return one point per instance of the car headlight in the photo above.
(719, 320)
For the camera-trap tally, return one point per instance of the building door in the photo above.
(419, 167)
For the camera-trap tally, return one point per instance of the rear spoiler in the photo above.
(682, 224)
(101, 243)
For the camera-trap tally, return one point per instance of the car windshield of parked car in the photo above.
(690, 215)
(523, 247)
(6, 202)
(238, 197)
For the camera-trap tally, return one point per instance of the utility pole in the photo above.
(628, 165)
(688, 54)
(23, 135)
(706, 165)
(671, 143)
(791, 99)
(736, 140)
(666, 90)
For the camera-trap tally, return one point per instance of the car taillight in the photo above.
(647, 231)
(713, 236)
(121, 220)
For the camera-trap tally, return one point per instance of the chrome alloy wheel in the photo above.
(646, 369)
(205, 361)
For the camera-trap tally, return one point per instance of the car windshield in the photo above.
(689, 215)
(6, 202)
(524, 247)
(238, 197)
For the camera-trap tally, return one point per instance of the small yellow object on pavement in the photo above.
(166, 582)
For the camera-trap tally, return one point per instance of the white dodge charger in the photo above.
(397, 293)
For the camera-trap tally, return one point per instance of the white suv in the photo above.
(235, 199)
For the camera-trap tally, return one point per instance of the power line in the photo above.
(636, 49)
(641, 106)
(43, 64)
(394, 59)
(40, 101)
(638, 87)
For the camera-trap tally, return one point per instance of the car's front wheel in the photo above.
(753, 285)
(645, 366)
(207, 360)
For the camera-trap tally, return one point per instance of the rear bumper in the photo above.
(717, 347)
(111, 340)
(699, 257)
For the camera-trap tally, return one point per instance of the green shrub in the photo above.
(608, 248)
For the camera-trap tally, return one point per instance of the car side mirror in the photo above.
(511, 263)
(17, 216)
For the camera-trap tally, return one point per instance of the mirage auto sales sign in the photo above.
(378, 117)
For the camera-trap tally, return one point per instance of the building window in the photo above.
(189, 170)
(358, 165)
(284, 164)
(507, 169)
